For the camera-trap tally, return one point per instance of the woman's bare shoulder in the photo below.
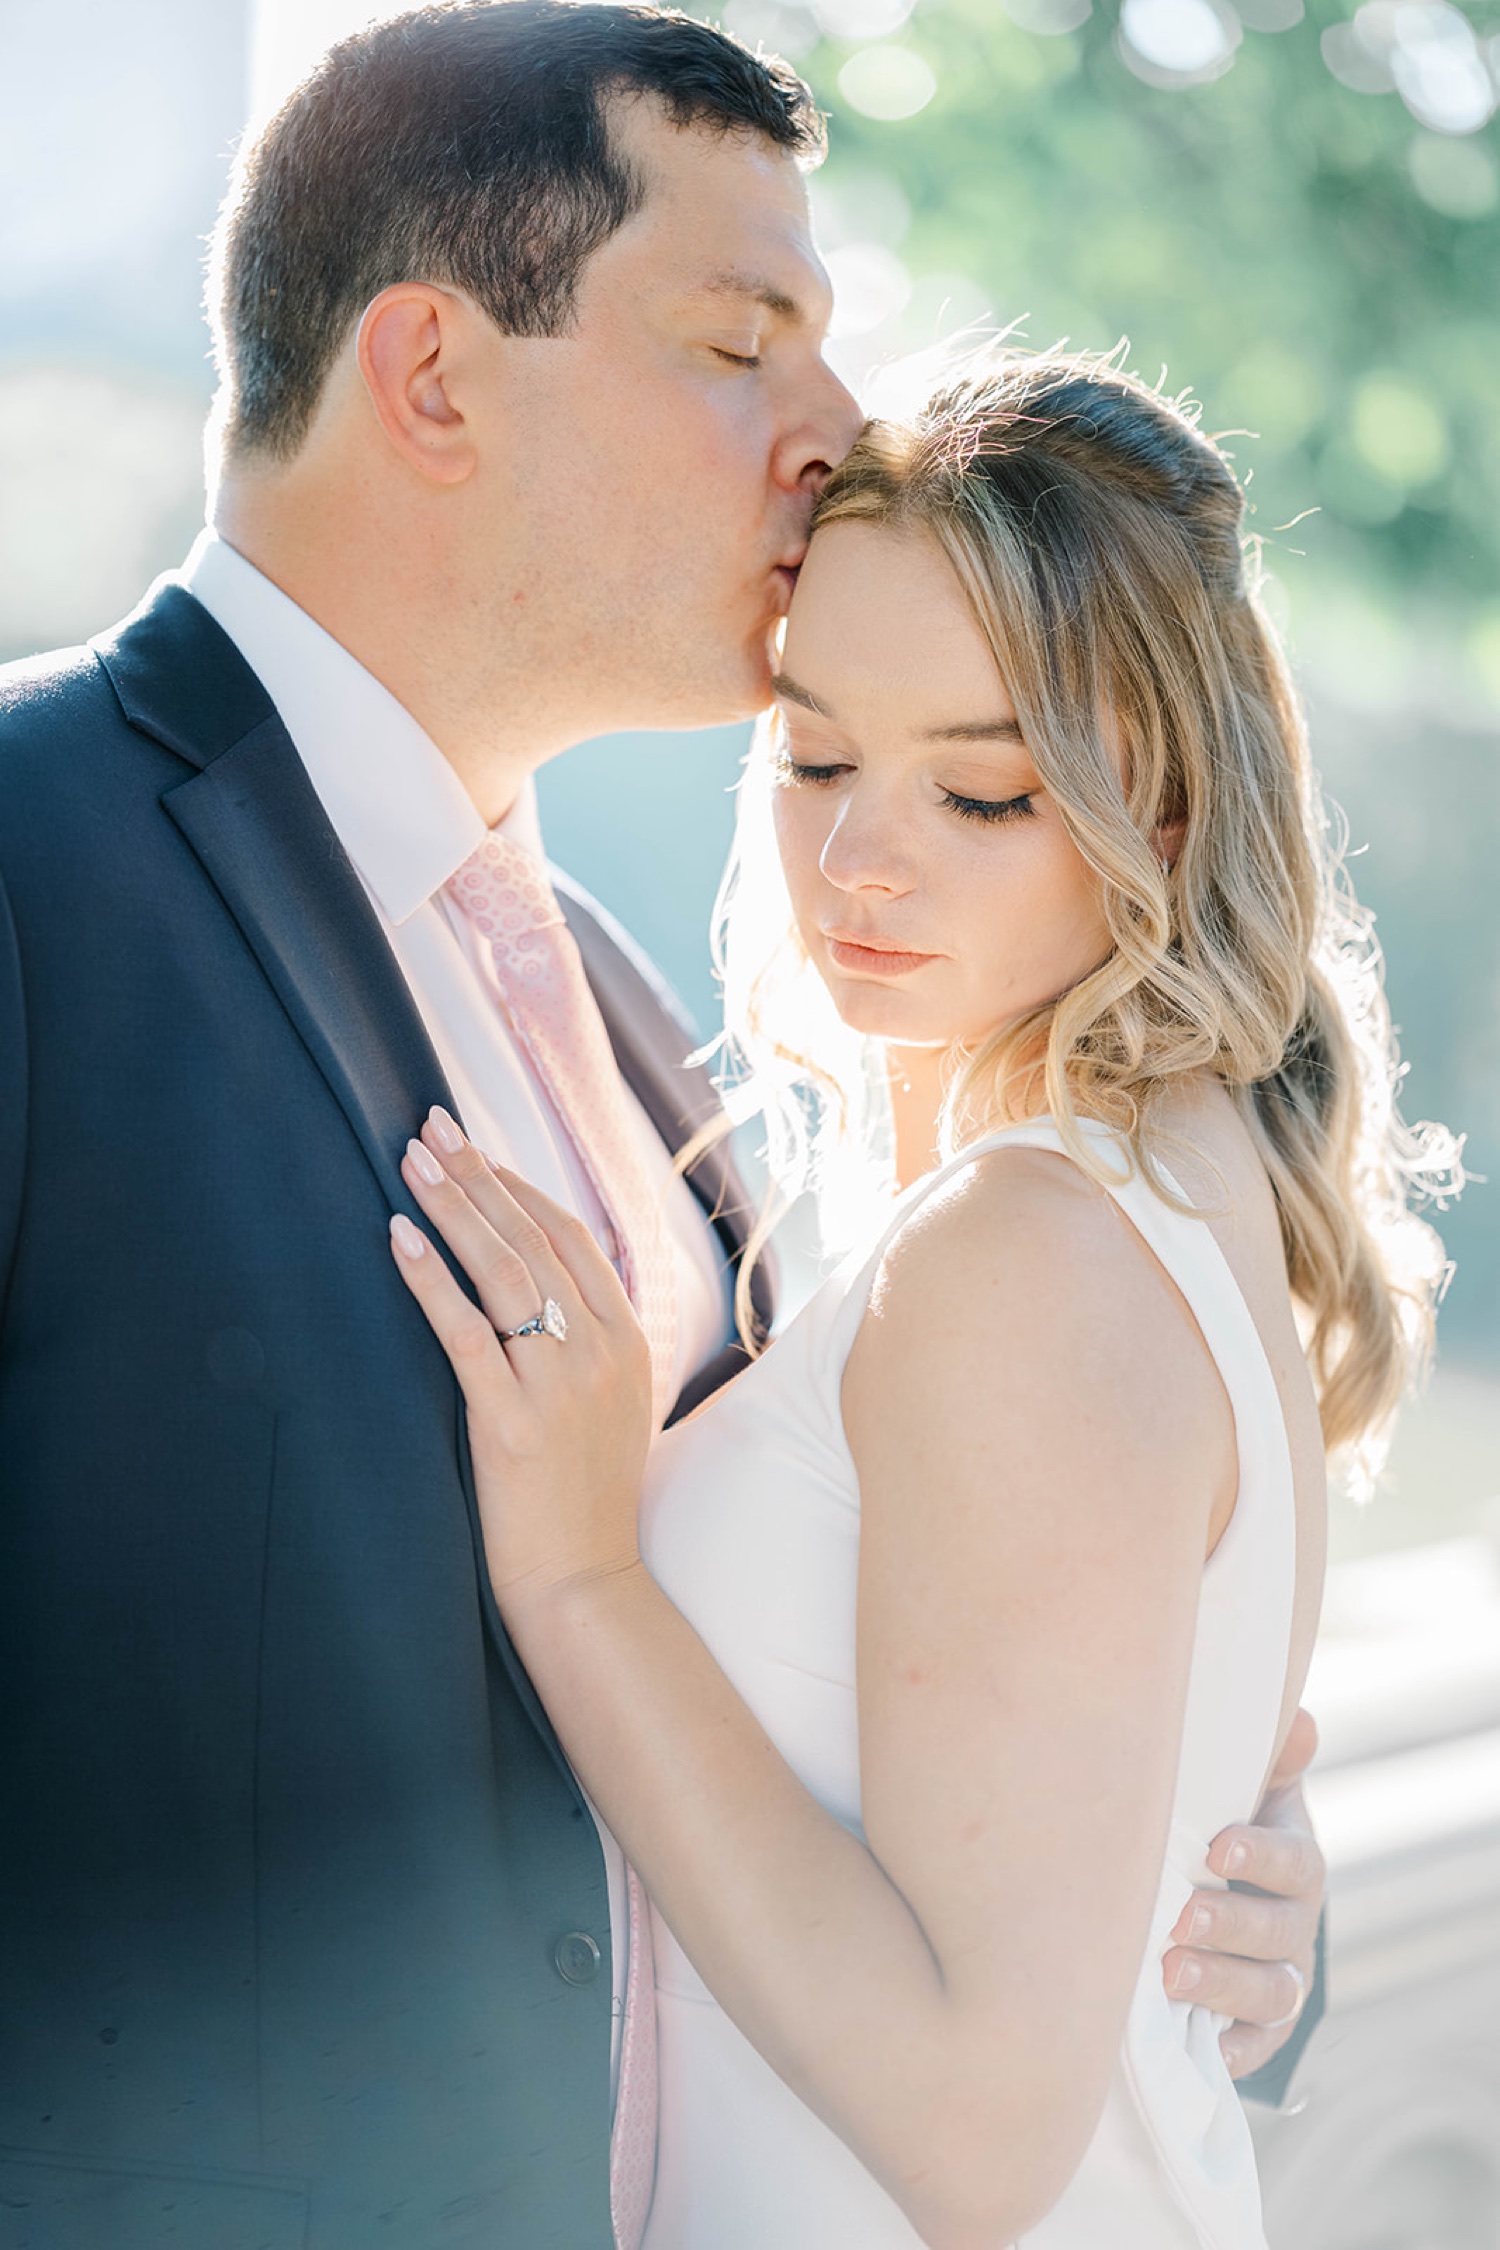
(1004, 1220)
(1025, 1358)
(1021, 1271)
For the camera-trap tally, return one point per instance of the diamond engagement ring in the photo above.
(550, 1321)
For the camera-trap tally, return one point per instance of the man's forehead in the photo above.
(737, 261)
(724, 216)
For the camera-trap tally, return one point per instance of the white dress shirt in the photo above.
(408, 824)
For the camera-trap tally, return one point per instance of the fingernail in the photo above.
(1201, 1923)
(1237, 1856)
(424, 1164)
(444, 1131)
(406, 1238)
(1188, 1976)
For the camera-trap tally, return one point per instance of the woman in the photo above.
(1026, 1508)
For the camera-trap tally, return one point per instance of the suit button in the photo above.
(576, 1958)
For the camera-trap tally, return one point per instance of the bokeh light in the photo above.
(1457, 177)
(1050, 18)
(887, 82)
(1181, 42)
(861, 19)
(1399, 430)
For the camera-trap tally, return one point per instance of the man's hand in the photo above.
(1242, 1952)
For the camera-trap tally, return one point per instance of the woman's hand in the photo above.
(558, 1430)
(1250, 1953)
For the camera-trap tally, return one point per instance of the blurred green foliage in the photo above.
(1266, 236)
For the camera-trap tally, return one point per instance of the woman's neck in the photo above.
(920, 1079)
(918, 1082)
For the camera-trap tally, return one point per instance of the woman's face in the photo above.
(935, 887)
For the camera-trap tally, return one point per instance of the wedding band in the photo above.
(550, 1321)
(1297, 2005)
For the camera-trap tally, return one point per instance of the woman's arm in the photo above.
(1040, 1437)
(1045, 1451)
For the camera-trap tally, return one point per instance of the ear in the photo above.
(409, 340)
(1168, 839)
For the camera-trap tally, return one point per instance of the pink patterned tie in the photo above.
(504, 891)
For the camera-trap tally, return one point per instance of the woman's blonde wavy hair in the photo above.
(1098, 535)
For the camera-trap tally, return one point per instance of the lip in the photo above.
(864, 959)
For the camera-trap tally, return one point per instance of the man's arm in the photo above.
(1255, 1951)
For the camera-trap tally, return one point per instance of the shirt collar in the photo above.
(394, 802)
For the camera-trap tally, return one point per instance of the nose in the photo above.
(823, 430)
(866, 850)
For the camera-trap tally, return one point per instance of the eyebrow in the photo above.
(976, 730)
(789, 690)
(731, 283)
(964, 730)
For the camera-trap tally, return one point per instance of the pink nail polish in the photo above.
(406, 1238)
(444, 1131)
(424, 1164)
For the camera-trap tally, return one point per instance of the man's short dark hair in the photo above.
(464, 143)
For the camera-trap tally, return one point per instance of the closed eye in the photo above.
(735, 359)
(789, 770)
(989, 808)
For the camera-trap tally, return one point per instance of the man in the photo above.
(309, 1935)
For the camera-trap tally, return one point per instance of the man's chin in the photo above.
(762, 661)
(722, 694)
(728, 700)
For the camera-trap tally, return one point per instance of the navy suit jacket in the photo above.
(288, 1849)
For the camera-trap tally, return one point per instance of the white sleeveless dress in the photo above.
(750, 1523)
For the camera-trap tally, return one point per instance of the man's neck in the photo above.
(486, 716)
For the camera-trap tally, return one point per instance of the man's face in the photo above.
(657, 466)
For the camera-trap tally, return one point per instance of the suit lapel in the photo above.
(264, 842)
(652, 1041)
(252, 817)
